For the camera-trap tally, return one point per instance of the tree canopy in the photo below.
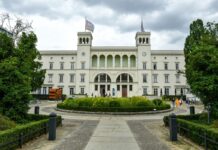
(201, 57)
(20, 73)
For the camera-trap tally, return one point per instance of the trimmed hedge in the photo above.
(195, 129)
(107, 104)
(29, 131)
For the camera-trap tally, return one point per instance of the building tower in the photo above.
(83, 61)
(144, 61)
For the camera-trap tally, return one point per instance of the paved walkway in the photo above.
(107, 132)
(112, 134)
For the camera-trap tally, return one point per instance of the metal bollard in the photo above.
(173, 127)
(192, 110)
(36, 110)
(52, 126)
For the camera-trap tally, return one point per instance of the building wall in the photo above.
(98, 60)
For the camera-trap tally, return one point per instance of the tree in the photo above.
(201, 57)
(15, 25)
(20, 73)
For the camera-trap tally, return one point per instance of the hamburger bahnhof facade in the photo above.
(119, 71)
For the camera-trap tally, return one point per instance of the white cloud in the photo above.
(56, 22)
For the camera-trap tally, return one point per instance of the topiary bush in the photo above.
(112, 104)
(157, 102)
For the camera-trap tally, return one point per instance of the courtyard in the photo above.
(117, 132)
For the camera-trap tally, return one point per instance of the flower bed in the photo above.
(108, 104)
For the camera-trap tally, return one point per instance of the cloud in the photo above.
(129, 6)
(57, 22)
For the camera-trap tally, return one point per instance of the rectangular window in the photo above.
(72, 76)
(61, 65)
(61, 78)
(154, 78)
(144, 65)
(72, 65)
(166, 91)
(50, 78)
(177, 78)
(145, 92)
(130, 87)
(82, 65)
(166, 66)
(154, 66)
(108, 87)
(155, 90)
(144, 78)
(118, 87)
(50, 65)
(166, 77)
(72, 91)
(82, 90)
(177, 66)
(82, 78)
(96, 87)
(44, 91)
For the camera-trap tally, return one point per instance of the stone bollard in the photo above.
(192, 110)
(173, 127)
(36, 110)
(52, 126)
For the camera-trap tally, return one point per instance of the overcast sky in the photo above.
(56, 22)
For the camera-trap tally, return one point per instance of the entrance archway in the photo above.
(102, 84)
(124, 81)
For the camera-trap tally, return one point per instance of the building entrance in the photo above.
(102, 90)
(124, 90)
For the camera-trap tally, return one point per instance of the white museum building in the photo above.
(118, 71)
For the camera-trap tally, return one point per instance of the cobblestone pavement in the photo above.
(109, 132)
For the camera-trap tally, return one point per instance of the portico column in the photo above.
(98, 59)
(113, 61)
(121, 61)
(129, 65)
(105, 62)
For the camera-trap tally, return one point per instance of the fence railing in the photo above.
(204, 137)
(20, 139)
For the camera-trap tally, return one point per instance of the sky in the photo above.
(56, 22)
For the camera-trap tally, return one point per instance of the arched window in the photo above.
(132, 61)
(147, 40)
(125, 61)
(102, 61)
(87, 40)
(117, 61)
(143, 40)
(140, 40)
(124, 78)
(84, 40)
(80, 40)
(94, 61)
(102, 78)
(109, 61)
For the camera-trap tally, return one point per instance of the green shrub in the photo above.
(157, 102)
(112, 104)
(6, 123)
(30, 130)
(194, 130)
